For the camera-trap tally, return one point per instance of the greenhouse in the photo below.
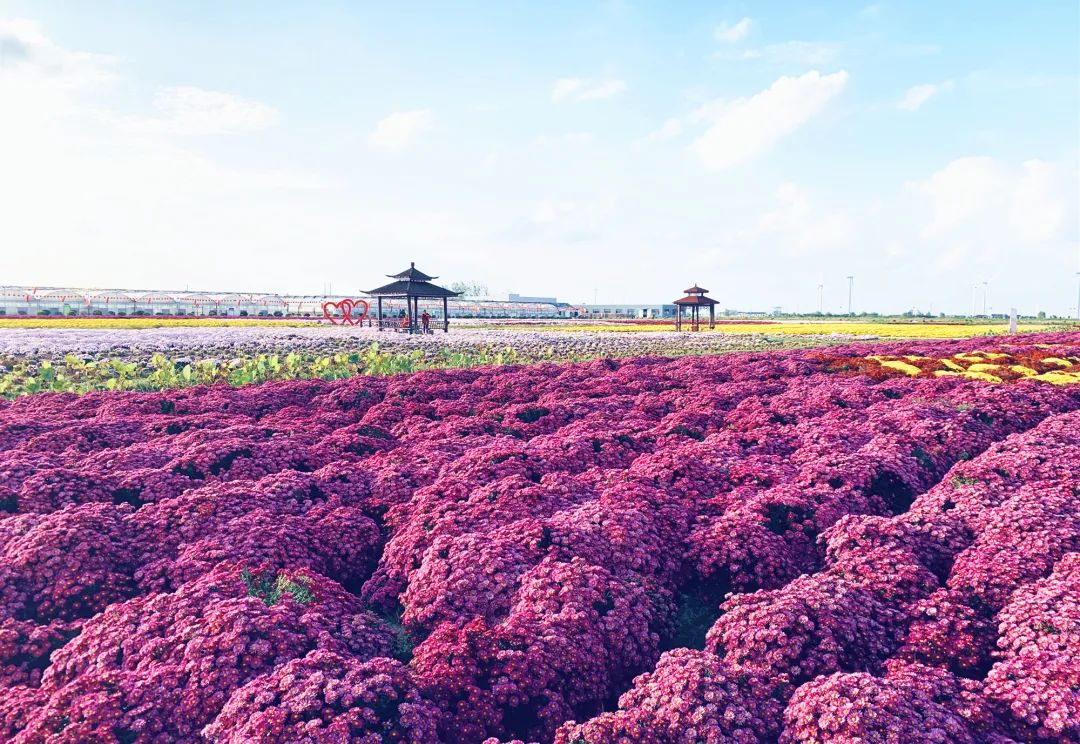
(61, 301)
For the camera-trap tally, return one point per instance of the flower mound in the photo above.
(325, 697)
(162, 666)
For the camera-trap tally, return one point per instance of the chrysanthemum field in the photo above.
(864, 543)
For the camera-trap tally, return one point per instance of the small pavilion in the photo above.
(412, 285)
(695, 299)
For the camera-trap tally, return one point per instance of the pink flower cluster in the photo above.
(746, 548)
(909, 703)
(160, 666)
(327, 697)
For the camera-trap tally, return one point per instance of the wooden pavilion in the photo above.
(412, 285)
(695, 299)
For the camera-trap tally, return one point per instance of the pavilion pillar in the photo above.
(678, 318)
(445, 315)
(712, 317)
(379, 302)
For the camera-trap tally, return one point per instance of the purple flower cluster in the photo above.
(736, 549)
(906, 704)
(1036, 683)
(162, 665)
(326, 697)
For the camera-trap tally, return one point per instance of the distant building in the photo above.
(525, 298)
(728, 312)
(629, 311)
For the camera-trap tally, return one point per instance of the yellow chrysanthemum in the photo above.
(907, 369)
(981, 376)
(1059, 378)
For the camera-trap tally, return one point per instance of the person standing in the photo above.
(425, 321)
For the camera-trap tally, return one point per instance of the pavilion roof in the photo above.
(695, 290)
(412, 283)
(411, 289)
(413, 274)
(695, 300)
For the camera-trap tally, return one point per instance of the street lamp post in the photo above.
(850, 292)
(820, 287)
(986, 295)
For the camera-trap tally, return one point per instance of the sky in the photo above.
(616, 151)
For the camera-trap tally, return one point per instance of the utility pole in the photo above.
(1078, 295)
(974, 300)
(986, 296)
(850, 292)
(820, 287)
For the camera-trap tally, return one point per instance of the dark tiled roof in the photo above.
(413, 274)
(695, 300)
(412, 289)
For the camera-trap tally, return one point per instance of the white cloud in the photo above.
(548, 211)
(26, 51)
(985, 211)
(564, 87)
(85, 202)
(580, 89)
(192, 111)
(746, 127)
(400, 128)
(804, 224)
(731, 33)
(1038, 206)
(569, 139)
(917, 95)
(962, 189)
(814, 53)
(670, 129)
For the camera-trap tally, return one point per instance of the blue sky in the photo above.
(622, 150)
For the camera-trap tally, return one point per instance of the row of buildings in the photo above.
(48, 301)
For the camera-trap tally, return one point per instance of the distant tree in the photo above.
(1042, 315)
(470, 288)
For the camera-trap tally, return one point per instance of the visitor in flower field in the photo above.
(425, 321)
(405, 321)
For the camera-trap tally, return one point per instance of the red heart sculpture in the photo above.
(346, 308)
